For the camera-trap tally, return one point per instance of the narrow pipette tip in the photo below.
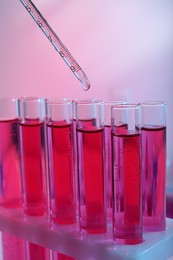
(82, 77)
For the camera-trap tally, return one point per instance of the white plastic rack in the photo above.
(68, 240)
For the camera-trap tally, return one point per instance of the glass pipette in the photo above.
(57, 43)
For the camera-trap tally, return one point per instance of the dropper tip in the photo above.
(82, 77)
(86, 86)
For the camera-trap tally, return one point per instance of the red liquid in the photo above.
(127, 226)
(10, 180)
(75, 143)
(91, 179)
(108, 168)
(33, 168)
(59, 256)
(154, 174)
(169, 206)
(36, 252)
(13, 248)
(75, 165)
(61, 170)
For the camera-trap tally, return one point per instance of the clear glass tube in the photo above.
(75, 147)
(90, 149)
(126, 146)
(57, 43)
(33, 160)
(59, 128)
(108, 153)
(13, 247)
(60, 256)
(36, 252)
(10, 180)
(154, 165)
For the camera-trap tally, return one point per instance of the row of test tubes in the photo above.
(91, 162)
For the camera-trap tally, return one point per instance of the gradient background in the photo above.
(124, 46)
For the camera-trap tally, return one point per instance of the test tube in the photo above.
(60, 256)
(75, 148)
(10, 180)
(33, 163)
(90, 149)
(126, 145)
(108, 153)
(154, 165)
(12, 247)
(36, 252)
(59, 126)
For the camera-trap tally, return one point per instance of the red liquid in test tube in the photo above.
(10, 174)
(91, 170)
(10, 183)
(90, 149)
(108, 169)
(60, 256)
(33, 157)
(108, 104)
(127, 186)
(36, 252)
(61, 163)
(75, 152)
(154, 161)
(59, 128)
(12, 247)
(75, 166)
(153, 134)
(33, 167)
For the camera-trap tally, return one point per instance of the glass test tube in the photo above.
(126, 145)
(60, 256)
(108, 153)
(75, 149)
(36, 252)
(90, 149)
(10, 176)
(154, 165)
(59, 128)
(13, 248)
(75, 157)
(33, 163)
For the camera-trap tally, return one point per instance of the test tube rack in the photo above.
(68, 240)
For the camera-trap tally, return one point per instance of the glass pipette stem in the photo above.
(57, 43)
